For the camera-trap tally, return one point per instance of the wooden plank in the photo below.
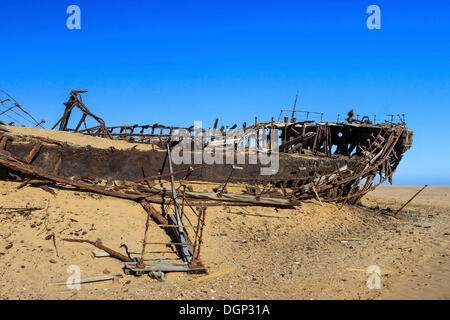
(33, 152)
(227, 197)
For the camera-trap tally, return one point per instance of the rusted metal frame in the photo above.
(160, 137)
(330, 142)
(84, 122)
(130, 138)
(353, 187)
(371, 168)
(183, 184)
(86, 110)
(193, 211)
(358, 194)
(257, 133)
(108, 134)
(168, 174)
(144, 243)
(226, 182)
(368, 182)
(76, 100)
(300, 139)
(189, 221)
(65, 118)
(8, 109)
(184, 180)
(200, 237)
(98, 244)
(374, 145)
(361, 193)
(316, 138)
(167, 205)
(130, 135)
(154, 126)
(83, 118)
(196, 241)
(90, 129)
(13, 163)
(347, 181)
(285, 133)
(191, 207)
(260, 180)
(12, 118)
(183, 201)
(215, 128)
(325, 140)
(391, 139)
(16, 104)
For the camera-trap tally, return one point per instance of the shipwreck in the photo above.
(331, 161)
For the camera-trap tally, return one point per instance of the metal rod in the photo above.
(141, 262)
(417, 193)
(172, 243)
(181, 231)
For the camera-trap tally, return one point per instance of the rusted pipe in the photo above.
(417, 193)
(98, 244)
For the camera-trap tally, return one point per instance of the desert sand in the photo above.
(266, 253)
(75, 138)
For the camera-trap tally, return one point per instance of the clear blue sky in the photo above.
(174, 62)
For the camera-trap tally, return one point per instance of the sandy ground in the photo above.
(77, 139)
(269, 253)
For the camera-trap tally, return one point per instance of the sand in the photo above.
(284, 254)
(77, 139)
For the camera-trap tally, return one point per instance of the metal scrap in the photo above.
(330, 161)
(98, 244)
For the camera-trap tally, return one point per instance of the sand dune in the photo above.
(273, 253)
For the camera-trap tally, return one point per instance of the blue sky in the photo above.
(175, 62)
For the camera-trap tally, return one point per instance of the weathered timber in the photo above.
(228, 197)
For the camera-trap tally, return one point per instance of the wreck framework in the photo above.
(331, 161)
